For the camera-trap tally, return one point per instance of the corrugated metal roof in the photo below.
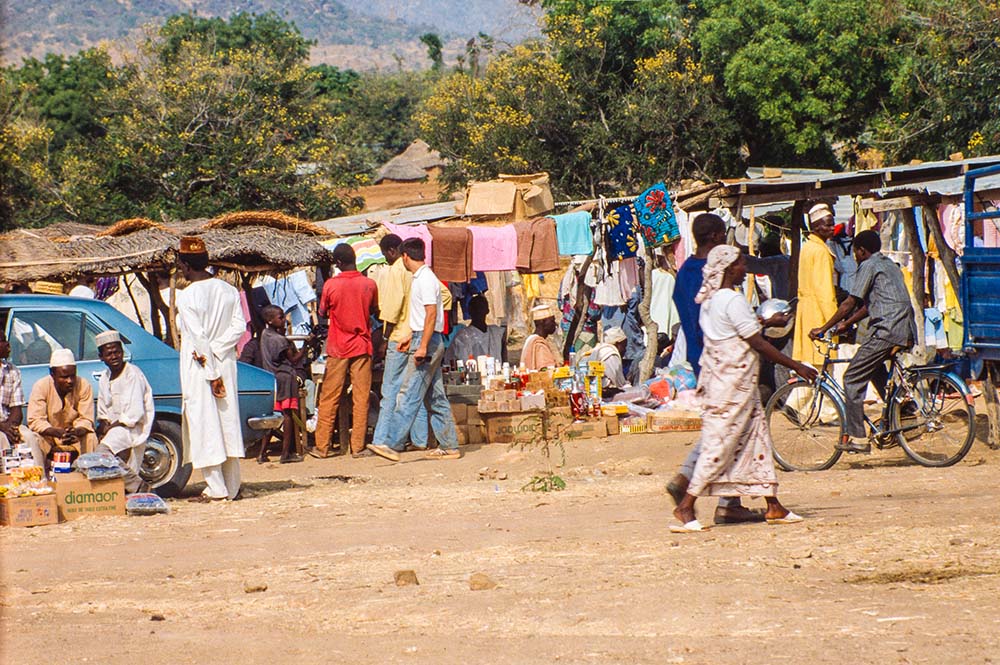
(356, 224)
(946, 187)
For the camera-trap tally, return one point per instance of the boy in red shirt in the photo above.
(350, 299)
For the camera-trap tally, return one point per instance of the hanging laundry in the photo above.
(574, 234)
(622, 243)
(453, 253)
(366, 250)
(537, 246)
(410, 231)
(494, 248)
(655, 215)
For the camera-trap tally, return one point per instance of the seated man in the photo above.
(478, 339)
(537, 353)
(610, 353)
(12, 432)
(878, 293)
(61, 411)
(124, 409)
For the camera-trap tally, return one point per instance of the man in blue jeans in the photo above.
(422, 382)
(393, 303)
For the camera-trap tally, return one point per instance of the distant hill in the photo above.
(361, 34)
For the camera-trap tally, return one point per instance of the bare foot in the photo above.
(775, 511)
(683, 515)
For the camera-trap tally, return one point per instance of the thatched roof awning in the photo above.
(252, 242)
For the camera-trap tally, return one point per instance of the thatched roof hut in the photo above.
(417, 162)
(248, 242)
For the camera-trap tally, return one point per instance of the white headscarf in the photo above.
(719, 259)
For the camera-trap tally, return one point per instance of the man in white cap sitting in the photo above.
(609, 352)
(537, 353)
(61, 411)
(124, 409)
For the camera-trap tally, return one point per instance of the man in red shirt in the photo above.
(350, 299)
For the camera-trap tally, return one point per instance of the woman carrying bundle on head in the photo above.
(736, 445)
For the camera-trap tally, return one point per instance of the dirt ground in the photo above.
(895, 564)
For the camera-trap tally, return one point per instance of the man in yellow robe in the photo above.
(817, 297)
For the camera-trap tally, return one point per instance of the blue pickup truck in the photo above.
(38, 324)
(980, 273)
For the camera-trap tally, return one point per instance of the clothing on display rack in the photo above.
(494, 248)
(574, 234)
(537, 245)
(452, 253)
(655, 215)
(407, 231)
(621, 233)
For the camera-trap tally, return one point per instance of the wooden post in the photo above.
(945, 251)
(649, 357)
(581, 307)
(917, 261)
(796, 231)
(155, 303)
(751, 278)
(991, 381)
(175, 340)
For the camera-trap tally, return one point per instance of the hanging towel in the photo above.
(622, 243)
(452, 253)
(366, 250)
(494, 248)
(573, 233)
(537, 246)
(410, 231)
(655, 214)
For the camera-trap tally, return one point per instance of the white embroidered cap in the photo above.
(62, 358)
(107, 337)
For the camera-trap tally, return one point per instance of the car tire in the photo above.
(163, 464)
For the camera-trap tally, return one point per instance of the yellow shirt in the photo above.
(817, 297)
(394, 300)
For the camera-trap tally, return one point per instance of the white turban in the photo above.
(719, 259)
(62, 358)
(818, 212)
(614, 335)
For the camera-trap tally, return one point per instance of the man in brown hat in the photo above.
(210, 321)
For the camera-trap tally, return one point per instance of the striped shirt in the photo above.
(11, 393)
(879, 283)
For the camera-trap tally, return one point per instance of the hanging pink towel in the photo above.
(494, 248)
(415, 231)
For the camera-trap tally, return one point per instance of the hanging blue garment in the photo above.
(573, 234)
(655, 216)
(622, 243)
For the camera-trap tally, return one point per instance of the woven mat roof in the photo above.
(245, 241)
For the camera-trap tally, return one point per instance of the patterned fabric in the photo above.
(622, 242)
(11, 393)
(365, 249)
(719, 259)
(655, 216)
(736, 445)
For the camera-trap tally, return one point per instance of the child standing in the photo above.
(279, 357)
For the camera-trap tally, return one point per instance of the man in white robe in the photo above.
(211, 322)
(124, 409)
(610, 352)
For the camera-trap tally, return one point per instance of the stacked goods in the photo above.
(16, 458)
(26, 499)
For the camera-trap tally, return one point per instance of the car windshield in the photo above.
(34, 335)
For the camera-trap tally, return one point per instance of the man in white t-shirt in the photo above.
(422, 380)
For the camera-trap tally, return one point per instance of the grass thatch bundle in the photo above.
(126, 226)
(272, 219)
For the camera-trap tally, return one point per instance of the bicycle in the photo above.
(930, 413)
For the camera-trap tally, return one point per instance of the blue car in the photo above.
(37, 324)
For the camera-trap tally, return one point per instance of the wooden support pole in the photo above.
(945, 251)
(580, 308)
(175, 340)
(156, 307)
(917, 261)
(991, 381)
(796, 231)
(649, 357)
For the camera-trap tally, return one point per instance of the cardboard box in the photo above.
(79, 497)
(514, 427)
(612, 424)
(533, 402)
(29, 510)
(557, 421)
(673, 421)
(588, 429)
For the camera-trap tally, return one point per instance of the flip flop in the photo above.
(790, 518)
(691, 527)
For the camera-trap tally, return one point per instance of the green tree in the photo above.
(434, 50)
(943, 95)
(800, 75)
(268, 32)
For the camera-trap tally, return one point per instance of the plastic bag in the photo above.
(104, 472)
(146, 504)
(90, 460)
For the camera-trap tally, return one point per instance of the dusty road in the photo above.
(896, 564)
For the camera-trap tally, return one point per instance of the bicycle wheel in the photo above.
(940, 424)
(806, 423)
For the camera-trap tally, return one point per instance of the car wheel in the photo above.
(163, 464)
